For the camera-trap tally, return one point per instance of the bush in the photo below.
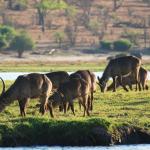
(106, 45)
(20, 5)
(131, 35)
(122, 45)
(22, 43)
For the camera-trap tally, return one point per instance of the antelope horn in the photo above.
(98, 81)
(3, 85)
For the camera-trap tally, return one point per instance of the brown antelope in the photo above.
(57, 78)
(90, 78)
(130, 80)
(67, 92)
(120, 67)
(28, 86)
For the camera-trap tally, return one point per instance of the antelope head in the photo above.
(56, 99)
(102, 84)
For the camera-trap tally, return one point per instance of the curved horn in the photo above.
(3, 85)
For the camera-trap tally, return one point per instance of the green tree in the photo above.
(72, 25)
(21, 43)
(45, 6)
(7, 32)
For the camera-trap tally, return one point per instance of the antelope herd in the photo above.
(61, 89)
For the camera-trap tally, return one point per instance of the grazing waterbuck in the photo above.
(90, 78)
(67, 92)
(56, 78)
(130, 80)
(119, 67)
(26, 87)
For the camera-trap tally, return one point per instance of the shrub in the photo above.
(131, 35)
(20, 5)
(22, 43)
(106, 45)
(122, 45)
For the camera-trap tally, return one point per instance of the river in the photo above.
(14, 75)
(124, 147)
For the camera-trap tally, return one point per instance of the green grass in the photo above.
(110, 111)
(66, 66)
(132, 108)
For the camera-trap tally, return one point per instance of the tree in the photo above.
(21, 43)
(59, 37)
(45, 6)
(86, 6)
(117, 4)
(7, 33)
(72, 25)
(16, 4)
(9, 3)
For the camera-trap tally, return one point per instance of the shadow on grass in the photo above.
(35, 131)
(139, 103)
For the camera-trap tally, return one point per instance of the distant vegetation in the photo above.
(66, 24)
(122, 45)
(15, 40)
(21, 43)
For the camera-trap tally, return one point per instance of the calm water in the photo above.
(14, 75)
(129, 147)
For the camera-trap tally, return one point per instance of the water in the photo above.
(14, 75)
(125, 147)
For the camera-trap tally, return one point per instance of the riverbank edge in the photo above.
(90, 132)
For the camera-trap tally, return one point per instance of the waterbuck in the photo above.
(130, 80)
(28, 86)
(67, 92)
(57, 78)
(90, 78)
(120, 67)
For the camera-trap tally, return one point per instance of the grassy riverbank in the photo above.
(110, 111)
(56, 66)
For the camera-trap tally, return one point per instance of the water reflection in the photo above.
(125, 147)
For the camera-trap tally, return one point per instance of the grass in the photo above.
(121, 107)
(110, 110)
(55, 66)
